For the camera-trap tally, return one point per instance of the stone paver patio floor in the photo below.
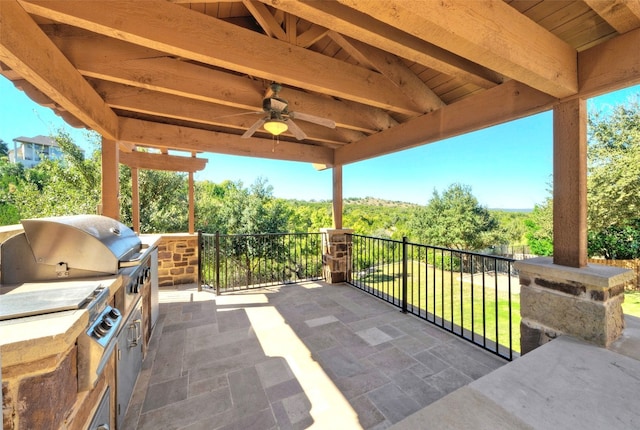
(294, 357)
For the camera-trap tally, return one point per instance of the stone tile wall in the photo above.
(582, 302)
(178, 259)
(336, 254)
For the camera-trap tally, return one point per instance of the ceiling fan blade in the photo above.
(314, 119)
(295, 130)
(256, 125)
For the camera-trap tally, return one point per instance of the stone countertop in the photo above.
(28, 339)
(563, 384)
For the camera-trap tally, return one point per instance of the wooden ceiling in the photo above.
(392, 74)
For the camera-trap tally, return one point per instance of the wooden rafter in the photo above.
(151, 161)
(361, 27)
(150, 69)
(622, 15)
(149, 102)
(266, 20)
(483, 33)
(158, 135)
(607, 67)
(27, 50)
(510, 101)
(212, 41)
(393, 69)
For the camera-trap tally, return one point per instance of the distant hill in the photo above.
(363, 201)
(526, 211)
(373, 201)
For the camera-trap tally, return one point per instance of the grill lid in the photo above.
(89, 242)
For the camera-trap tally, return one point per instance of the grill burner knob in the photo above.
(104, 327)
(114, 314)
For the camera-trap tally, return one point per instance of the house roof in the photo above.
(40, 140)
(391, 74)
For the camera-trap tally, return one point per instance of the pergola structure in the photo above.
(195, 77)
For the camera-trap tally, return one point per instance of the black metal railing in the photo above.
(240, 262)
(465, 293)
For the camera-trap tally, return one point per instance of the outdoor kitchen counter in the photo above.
(28, 339)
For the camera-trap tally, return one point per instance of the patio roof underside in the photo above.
(191, 76)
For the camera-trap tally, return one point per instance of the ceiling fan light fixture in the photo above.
(276, 126)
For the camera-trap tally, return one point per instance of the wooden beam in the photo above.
(394, 69)
(28, 51)
(336, 206)
(110, 179)
(610, 66)
(144, 68)
(311, 36)
(509, 101)
(490, 33)
(179, 31)
(152, 161)
(135, 198)
(169, 106)
(158, 135)
(623, 15)
(570, 183)
(265, 19)
(361, 27)
(192, 204)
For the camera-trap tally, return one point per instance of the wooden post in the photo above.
(135, 199)
(110, 179)
(337, 197)
(570, 183)
(192, 205)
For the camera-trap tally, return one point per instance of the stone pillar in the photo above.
(558, 300)
(336, 254)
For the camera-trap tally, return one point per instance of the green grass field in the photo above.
(455, 298)
(631, 305)
(441, 293)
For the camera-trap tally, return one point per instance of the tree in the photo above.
(539, 228)
(163, 200)
(614, 166)
(511, 227)
(254, 212)
(60, 187)
(4, 148)
(11, 175)
(613, 182)
(454, 220)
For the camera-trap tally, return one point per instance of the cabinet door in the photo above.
(129, 361)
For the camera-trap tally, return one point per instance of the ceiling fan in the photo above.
(279, 119)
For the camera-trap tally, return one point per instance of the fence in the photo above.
(634, 265)
(465, 293)
(239, 262)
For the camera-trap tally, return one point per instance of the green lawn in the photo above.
(441, 293)
(631, 305)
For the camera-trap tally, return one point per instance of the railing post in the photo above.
(217, 244)
(404, 274)
(200, 251)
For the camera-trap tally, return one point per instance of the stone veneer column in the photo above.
(559, 300)
(336, 254)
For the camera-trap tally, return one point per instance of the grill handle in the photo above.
(134, 261)
(131, 263)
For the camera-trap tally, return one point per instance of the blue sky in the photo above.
(507, 166)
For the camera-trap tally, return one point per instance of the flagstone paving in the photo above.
(300, 356)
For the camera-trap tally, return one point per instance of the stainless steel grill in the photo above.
(61, 262)
(76, 246)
